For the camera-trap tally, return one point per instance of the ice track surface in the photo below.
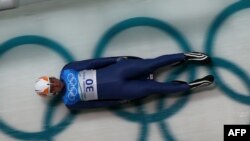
(39, 38)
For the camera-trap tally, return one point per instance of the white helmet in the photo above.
(42, 86)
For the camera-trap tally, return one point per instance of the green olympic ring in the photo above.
(49, 130)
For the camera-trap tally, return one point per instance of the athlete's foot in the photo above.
(202, 82)
(197, 57)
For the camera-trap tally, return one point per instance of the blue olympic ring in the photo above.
(219, 62)
(49, 130)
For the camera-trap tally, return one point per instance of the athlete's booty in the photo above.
(198, 57)
(202, 82)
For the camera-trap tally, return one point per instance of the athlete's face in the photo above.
(55, 85)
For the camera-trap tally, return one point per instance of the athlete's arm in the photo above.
(94, 104)
(96, 63)
(91, 64)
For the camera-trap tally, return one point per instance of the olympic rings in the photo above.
(238, 72)
(141, 117)
(219, 62)
(49, 130)
(71, 79)
(144, 21)
(72, 86)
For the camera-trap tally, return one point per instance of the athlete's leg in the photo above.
(132, 89)
(135, 68)
(146, 66)
(173, 59)
(139, 89)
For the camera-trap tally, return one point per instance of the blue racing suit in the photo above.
(104, 82)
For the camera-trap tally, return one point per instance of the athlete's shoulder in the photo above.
(120, 58)
(66, 72)
(75, 64)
